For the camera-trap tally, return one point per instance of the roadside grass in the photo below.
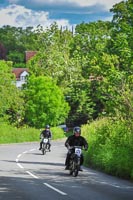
(10, 134)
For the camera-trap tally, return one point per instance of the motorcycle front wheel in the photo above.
(73, 169)
(75, 173)
(44, 149)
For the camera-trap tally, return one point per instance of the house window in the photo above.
(22, 78)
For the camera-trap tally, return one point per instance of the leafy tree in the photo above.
(45, 103)
(82, 106)
(122, 34)
(11, 102)
(121, 44)
(16, 41)
(53, 58)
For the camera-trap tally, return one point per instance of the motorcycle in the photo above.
(75, 157)
(45, 146)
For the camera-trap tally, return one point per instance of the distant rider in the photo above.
(46, 133)
(75, 140)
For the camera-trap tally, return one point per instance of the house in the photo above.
(22, 73)
(21, 76)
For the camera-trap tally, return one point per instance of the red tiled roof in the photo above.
(19, 71)
(29, 54)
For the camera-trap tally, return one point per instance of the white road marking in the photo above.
(46, 184)
(55, 189)
(25, 152)
(32, 149)
(32, 174)
(113, 184)
(20, 166)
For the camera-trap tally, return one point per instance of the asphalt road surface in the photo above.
(26, 174)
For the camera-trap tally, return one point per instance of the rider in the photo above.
(46, 133)
(75, 140)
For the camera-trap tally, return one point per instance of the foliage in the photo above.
(11, 134)
(53, 57)
(44, 102)
(110, 147)
(15, 41)
(11, 101)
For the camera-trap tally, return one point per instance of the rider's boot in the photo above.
(40, 148)
(49, 148)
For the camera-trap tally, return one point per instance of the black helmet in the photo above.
(77, 129)
(47, 127)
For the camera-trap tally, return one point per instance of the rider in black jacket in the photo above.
(75, 140)
(46, 133)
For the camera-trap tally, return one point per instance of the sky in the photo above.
(66, 13)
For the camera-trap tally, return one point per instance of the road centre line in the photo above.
(20, 166)
(19, 155)
(46, 184)
(55, 189)
(32, 149)
(32, 174)
(25, 152)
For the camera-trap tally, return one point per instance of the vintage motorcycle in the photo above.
(75, 157)
(45, 146)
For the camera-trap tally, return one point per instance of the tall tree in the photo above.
(45, 103)
(122, 34)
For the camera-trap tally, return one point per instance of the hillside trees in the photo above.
(67, 59)
(16, 41)
(93, 67)
(55, 59)
(71, 60)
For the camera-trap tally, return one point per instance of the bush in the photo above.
(110, 147)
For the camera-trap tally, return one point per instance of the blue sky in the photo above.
(23, 13)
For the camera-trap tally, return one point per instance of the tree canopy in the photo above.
(44, 102)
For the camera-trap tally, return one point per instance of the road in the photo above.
(26, 174)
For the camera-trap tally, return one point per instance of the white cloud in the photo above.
(19, 16)
(25, 13)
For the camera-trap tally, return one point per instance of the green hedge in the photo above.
(110, 147)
